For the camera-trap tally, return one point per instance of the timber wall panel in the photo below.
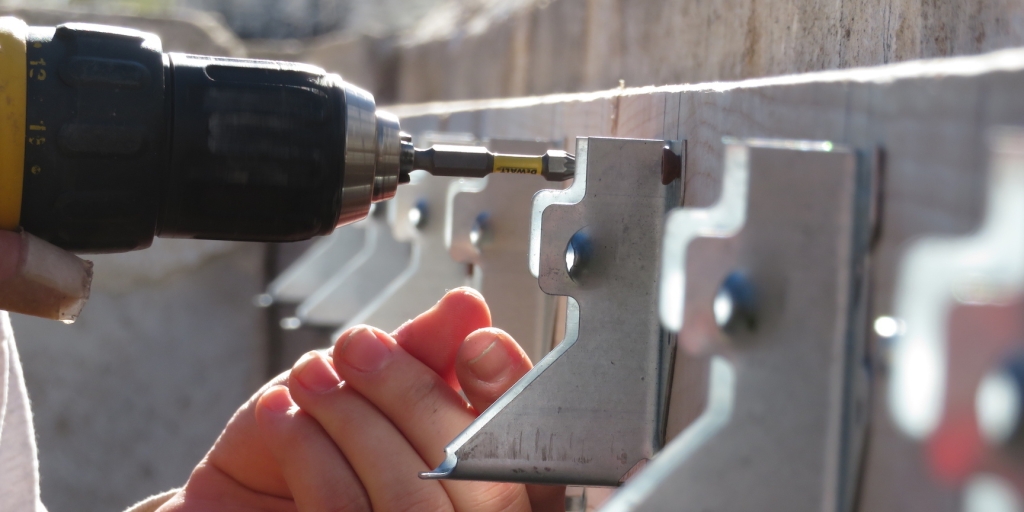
(927, 120)
(551, 46)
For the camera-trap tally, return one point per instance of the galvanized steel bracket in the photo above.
(957, 334)
(323, 260)
(367, 273)
(770, 285)
(593, 410)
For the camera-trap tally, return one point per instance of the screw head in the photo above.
(999, 403)
(578, 252)
(418, 214)
(480, 233)
(734, 304)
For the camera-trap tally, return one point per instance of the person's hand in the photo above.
(39, 279)
(352, 428)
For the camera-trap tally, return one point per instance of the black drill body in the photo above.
(125, 142)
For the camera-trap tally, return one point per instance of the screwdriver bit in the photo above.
(477, 162)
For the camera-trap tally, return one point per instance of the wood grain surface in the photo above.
(927, 120)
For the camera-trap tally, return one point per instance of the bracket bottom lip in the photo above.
(444, 470)
(447, 470)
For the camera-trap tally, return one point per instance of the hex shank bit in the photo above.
(477, 162)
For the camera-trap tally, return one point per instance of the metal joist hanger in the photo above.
(366, 274)
(592, 410)
(957, 335)
(770, 284)
(309, 272)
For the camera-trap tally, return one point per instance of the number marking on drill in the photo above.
(37, 71)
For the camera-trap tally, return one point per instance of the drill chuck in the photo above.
(106, 142)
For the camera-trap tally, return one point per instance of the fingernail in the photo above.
(277, 399)
(492, 364)
(313, 372)
(470, 291)
(364, 351)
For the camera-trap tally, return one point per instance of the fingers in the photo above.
(426, 411)
(488, 364)
(415, 398)
(377, 451)
(241, 452)
(318, 475)
(434, 337)
(208, 488)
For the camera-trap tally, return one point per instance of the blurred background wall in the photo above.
(409, 51)
(128, 399)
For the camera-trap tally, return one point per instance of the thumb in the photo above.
(488, 363)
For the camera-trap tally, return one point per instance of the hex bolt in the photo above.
(480, 233)
(999, 403)
(290, 323)
(418, 214)
(734, 304)
(578, 252)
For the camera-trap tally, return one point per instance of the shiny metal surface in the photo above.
(593, 409)
(784, 423)
(957, 385)
(316, 266)
(417, 218)
(657, 477)
(684, 225)
(559, 165)
(389, 156)
(360, 155)
(367, 274)
(937, 273)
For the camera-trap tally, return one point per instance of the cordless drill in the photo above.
(106, 141)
